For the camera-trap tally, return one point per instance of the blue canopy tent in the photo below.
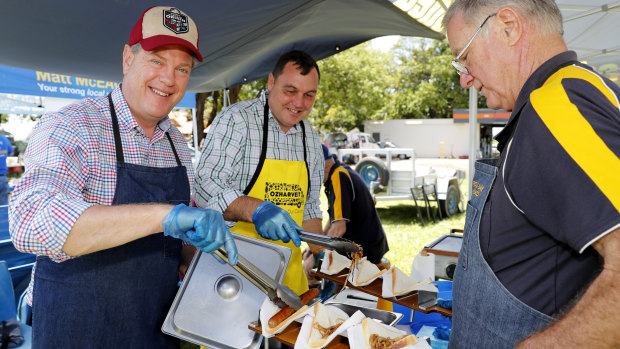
(240, 40)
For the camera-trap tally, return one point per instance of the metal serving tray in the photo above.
(215, 304)
(446, 250)
(387, 317)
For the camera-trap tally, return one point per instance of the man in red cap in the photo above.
(105, 178)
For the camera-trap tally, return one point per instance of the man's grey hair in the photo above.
(543, 14)
(136, 48)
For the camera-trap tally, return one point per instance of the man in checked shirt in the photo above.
(104, 177)
(262, 164)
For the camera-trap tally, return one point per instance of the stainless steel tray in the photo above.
(446, 250)
(387, 317)
(215, 304)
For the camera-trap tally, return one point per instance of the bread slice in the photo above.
(323, 318)
(336, 262)
(272, 330)
(410, 339)
(370, 327)
(365, 272)
(402, 283)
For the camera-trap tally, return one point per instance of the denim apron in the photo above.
(118, 297)
(484, 313)
(285, 183)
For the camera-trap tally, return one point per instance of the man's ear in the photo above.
(511, 23)
(270, 82)
(128, 57)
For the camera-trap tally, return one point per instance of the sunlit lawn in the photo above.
(405, 232)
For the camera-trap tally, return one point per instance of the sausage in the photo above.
(287, 311)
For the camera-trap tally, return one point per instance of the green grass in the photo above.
(405, 233)
(404, 230)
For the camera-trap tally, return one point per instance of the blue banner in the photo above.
(38, 83)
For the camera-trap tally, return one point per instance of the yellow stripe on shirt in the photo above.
(338, 191)
(575, 134)
(575, 72)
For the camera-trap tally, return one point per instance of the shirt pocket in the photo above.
(470, 217)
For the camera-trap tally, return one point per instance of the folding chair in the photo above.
(418, 194)
(430, 192)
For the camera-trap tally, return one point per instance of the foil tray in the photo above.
(215, 304)
(389, 318)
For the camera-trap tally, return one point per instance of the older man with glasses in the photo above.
(460, 67)
(539, 266)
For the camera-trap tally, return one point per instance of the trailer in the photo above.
(412, 183)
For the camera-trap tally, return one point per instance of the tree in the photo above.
(428, 86)
(4, 118)
(355, 86)
(252, 89)
(212, 101)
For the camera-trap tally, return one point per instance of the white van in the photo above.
(363, 141)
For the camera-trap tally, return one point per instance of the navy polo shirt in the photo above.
(558, 187)
(349, 199)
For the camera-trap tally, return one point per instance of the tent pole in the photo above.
(226, 99)
(195, 128)
(473, 123)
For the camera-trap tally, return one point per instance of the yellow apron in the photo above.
(285, 183)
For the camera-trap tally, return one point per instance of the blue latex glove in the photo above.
(442, 332)
(444, 303)
(273, 222)
(202, 228)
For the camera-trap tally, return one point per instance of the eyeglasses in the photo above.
(460, 67)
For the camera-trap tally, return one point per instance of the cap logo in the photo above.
(176, 21)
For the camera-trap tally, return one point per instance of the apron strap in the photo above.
(263, 152)
(174, 150)
(117, 136)
(303, 131)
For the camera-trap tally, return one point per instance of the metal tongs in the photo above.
(340, 245)
(278, 293)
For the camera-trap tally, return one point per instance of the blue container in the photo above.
(436, 343)
(406, 319)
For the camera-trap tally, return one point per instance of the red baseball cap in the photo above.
(164, 25)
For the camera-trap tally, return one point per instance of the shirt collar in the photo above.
(336, 164)
(126, 119)
(535, 81)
